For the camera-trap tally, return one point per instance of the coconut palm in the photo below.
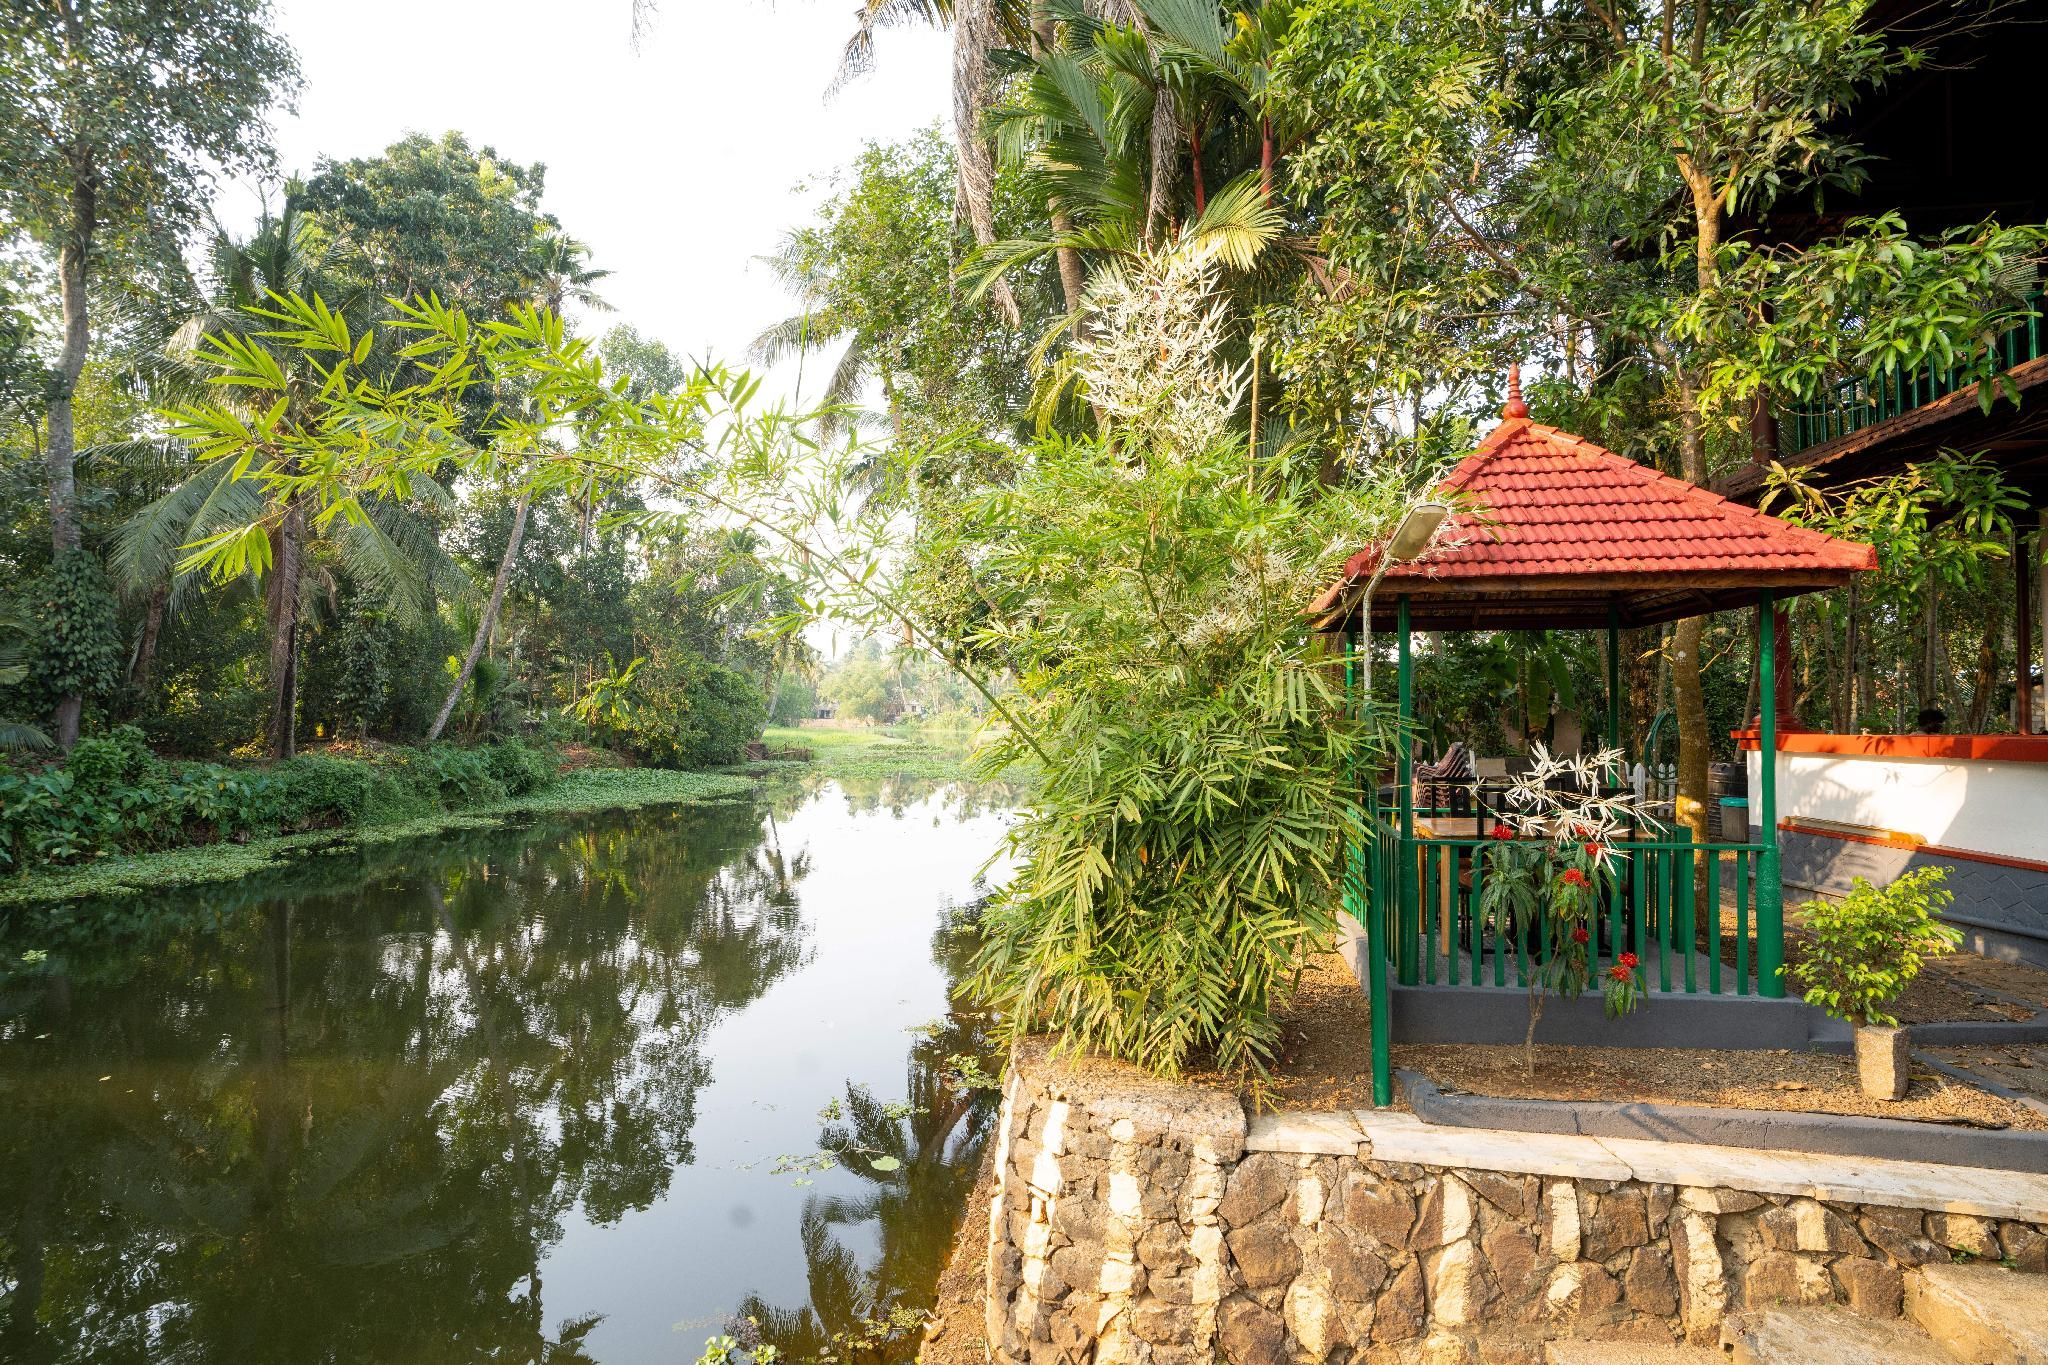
(980, 28)
(393, 554)
(563, 274)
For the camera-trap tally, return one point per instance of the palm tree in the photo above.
(563, 275)
(394, 554)
(980, 28)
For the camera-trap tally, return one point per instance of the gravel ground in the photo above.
(1326, 1063)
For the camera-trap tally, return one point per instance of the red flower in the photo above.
(1579, 934)
(1503, 831)
(1630, 961)
(1595, 852)
(1573, 877)
(1620, 973)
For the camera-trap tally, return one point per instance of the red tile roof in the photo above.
(1551, 513)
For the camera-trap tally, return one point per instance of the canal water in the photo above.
(593, 1091)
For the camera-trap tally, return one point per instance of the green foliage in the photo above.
(125, 876)
(796, 699)
(135, 103)
(77, 648)
(114, 795)
(437, 216)
(685, 712)
(363, 668)
(1199, 755)
(1865, 949)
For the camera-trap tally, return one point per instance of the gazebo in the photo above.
(1552, 531)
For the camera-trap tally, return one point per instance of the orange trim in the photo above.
(1885, 838)
(2003, 748)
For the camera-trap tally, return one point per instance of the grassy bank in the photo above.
(938, 755)
(588, 789)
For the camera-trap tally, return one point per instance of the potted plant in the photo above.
(1865, 950)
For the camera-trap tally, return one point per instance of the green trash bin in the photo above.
(1734, 819)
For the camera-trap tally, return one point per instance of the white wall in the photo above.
(1977, 805)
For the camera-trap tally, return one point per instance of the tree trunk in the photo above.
(1165, 159)
(1072, 278)
(1930, 650)
(287, 576)
(1690, 808)
(490, 617)
(152, 627)
(61, 449)
(1852, 662)
(1987, 667)
(974, 37)
(1195, 168)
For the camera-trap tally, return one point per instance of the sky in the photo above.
(677, 163)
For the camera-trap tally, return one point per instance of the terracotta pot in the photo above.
(1882, 1062)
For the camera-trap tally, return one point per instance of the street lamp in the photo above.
(1406, 545)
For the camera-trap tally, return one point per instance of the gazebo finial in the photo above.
(1514, 407)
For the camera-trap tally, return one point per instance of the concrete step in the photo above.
(1983, 1314)
(1625, 1353)
(1826, 1336)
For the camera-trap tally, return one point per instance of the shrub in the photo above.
(518, 767)
(683, 711)
(114, 795)
(77, 649)
(1869, 946)
(315, 790)
(1201, 761)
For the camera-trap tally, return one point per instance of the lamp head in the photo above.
(1418, 524)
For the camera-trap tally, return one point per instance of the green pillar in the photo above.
(1408, 906)
(1366, 903)
(1770, 905)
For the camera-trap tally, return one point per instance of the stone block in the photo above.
(1872, 1288)
(1659, 1200)
(1248, 1333)
(1805, 1225)
(1581, 1294)
(1520, 1268)
(1719, 1200)
(2025, 1246)
(1080, 1219)
(1982, 1313)
(1514, 1195)
(1328, 1134)
(1312, 1319)
(1265, 1253)
(1562, 1232)
(1618, 1222)
(1354, 1272)
(1162, 1323)
(1164, 1247)
(1961, 1232)
(1461, 1288)
(1448, 1210)
(1402, 1311)
(1784, 1277)
(1899, 1237)
(1701, 1274)
(1382, 1208)
(1649, 1285)
(1257, 1187)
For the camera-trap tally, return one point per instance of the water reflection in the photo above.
(513, 1101)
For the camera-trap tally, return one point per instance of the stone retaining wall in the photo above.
(1136, 1220)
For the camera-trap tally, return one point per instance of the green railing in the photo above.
(1430, 895)
(1853, 404)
